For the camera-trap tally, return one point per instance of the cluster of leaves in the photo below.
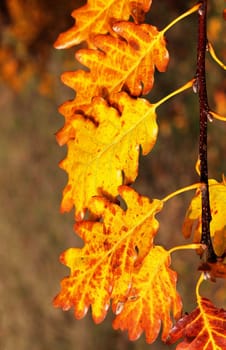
(107, 126)
(27, 30)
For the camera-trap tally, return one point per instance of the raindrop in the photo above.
(106, 307)
(210, 117)
(119, 307)
(200, 11)
(195, 86)
(206, 276)
(66, 307)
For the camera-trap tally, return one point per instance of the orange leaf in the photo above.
(96, 16)
(192, 223)
(214, 270)
(127, 61)
(151, 300)
(204, 328)
(104, 147)
(103, 267)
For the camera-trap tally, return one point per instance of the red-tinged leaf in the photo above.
(104, 147)
(128, 61)
(193, 221)
(204, 328)
(214, 270)
(96, 17)
(152, 299)
(103, 267)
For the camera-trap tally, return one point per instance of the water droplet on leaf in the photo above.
(210, 117)
(195, 86)
(119, 307)
(200, 11)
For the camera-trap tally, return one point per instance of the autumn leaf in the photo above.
(104, 147)
(214, 270)
(192, 223)
(220, 101)
(151, 300)
(104, 143)
(112, 245)
(204, 328)
(126, 61)
(97, 16)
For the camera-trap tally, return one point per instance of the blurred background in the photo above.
(32, 231)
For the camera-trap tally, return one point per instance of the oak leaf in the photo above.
(152, 299)
(127, 61)
(96, 17)
(104, 147)
(112, 245)
(204, 328)
(193, 223)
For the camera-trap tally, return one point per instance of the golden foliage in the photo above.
(97, 17)
(116, 62)
(106, 128)
(220, 101)
(151, 299)
(214, 270)
(27, 30)
(104, 147)
(192, 223)
(203, 328)
(27, 19)
(103, 268)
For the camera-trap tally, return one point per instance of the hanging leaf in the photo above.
(214, 270)
(203, 328)
(96, 17)
(192, 223)
(104, 147)
(151, 300)
(103, 267)
(128, 61)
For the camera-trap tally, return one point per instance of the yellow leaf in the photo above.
(103, 267)
(193, 225)
(96, 17)
(152, 299)
(128, 61)
(104, 147)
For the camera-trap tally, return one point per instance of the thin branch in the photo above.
(200, 85)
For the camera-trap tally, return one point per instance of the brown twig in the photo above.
(200, 86)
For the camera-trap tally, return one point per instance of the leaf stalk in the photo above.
(181, 190)
(200, 280)
(187, 246)
(214, 56)
(179, 18)
(186, 86)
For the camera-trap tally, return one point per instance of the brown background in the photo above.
(32, 232)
